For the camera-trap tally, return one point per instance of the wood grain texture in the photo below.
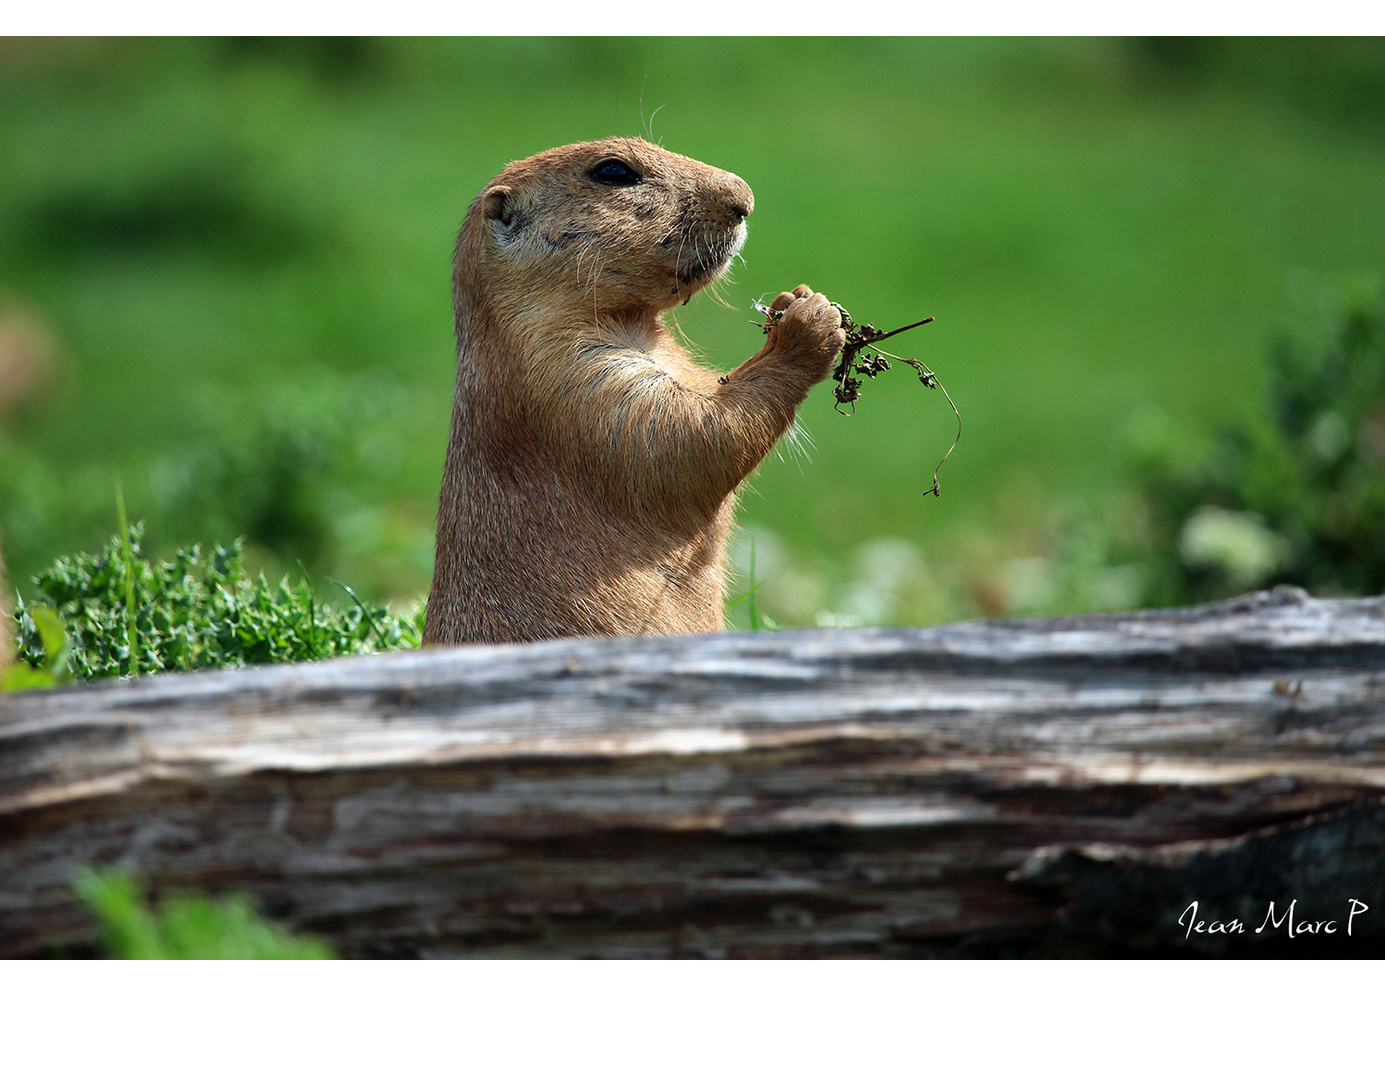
(1037, 787)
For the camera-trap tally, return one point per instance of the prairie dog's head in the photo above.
(612, 225)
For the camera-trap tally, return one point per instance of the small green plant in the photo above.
(758, 620)
(116, 613)
(126, 551)
(186, 927)
(54, 666)
(1297, 500)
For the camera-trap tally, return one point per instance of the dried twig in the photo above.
(861, 357)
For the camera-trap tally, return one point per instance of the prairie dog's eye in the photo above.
(614, 173)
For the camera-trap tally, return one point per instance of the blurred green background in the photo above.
(224, 282)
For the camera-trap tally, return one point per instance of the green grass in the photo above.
(186, 927)
(1101, 229)
(115, 613)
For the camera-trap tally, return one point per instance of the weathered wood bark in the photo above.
(1044, 787)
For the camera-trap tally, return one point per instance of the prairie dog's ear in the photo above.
(497, 203)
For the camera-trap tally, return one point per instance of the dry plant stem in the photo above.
(867, 337)
(931, 380)
(892, 333)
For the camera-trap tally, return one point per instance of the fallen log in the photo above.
(1059, 787)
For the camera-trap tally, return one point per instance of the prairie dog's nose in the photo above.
(740, 200)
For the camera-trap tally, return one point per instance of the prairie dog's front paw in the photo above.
(806, 329)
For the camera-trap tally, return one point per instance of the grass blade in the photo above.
(131, 630)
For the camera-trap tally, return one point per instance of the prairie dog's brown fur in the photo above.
(592, 468)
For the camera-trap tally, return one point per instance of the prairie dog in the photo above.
(592, 468)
